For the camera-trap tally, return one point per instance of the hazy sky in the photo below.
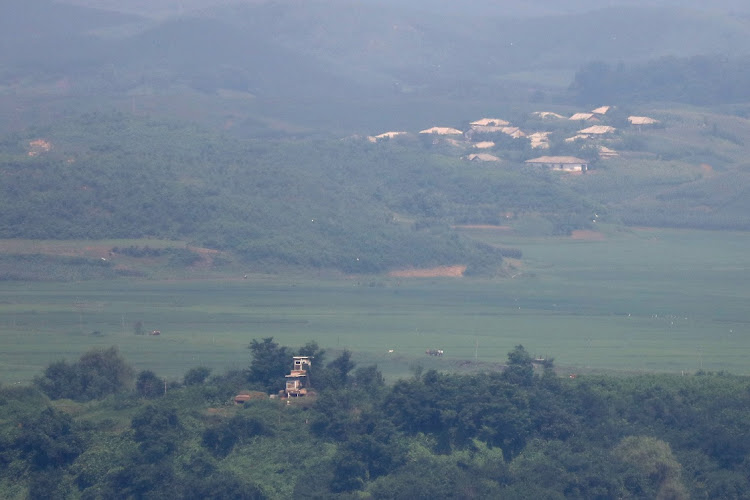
(489, 7)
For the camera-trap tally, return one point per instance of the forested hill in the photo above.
(328, 203)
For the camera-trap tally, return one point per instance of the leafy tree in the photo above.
(47, 483)
(318, 376)
(368, 378)
(156, 429)
(520, 370)
(140, 480)
(197, 375)
(270, 363)
(98, 373)
(339, 369)
(428, 475)
(313, 350)
(221, 439)
(221, 485)
(148, 385)
(653, 470)
(50, 440)
(61, 380)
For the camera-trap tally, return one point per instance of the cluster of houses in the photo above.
(475, 137)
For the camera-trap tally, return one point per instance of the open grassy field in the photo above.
(653, 300)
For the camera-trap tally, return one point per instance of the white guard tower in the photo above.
(297, 381)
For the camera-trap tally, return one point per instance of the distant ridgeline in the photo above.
(698, 80)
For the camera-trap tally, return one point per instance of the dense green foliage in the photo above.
(314, 203)
(698, 80)
(96, 374)
(523, 432)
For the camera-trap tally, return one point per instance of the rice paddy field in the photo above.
(621, 301)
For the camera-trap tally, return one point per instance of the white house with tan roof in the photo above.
(562, 163)
(385, 135)
(601, 110)
(597, 130)
(547, 115)
(584, 117)
(490, 122)
(441, 131)
(605, 152)
(642, 120)
(578, 137)
(482, 157)
(539, 139)
(514, 132)
(485, 129)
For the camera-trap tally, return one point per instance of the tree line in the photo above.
(702, 80)
(94, 428)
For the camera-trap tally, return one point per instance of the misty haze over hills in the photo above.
(481, 7)
(320, 56)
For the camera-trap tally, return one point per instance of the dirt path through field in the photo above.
(587, 235)
(434, 272)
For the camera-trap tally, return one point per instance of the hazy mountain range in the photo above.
(329, 49)
(484, 7)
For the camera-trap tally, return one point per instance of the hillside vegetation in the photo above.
(313, 203)
(239, 127)
(356, 205)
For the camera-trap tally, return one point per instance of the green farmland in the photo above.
(642, 300)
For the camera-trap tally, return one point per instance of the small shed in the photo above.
(241, 399)
(245, 396)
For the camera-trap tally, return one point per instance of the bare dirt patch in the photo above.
(707, 169)
(587, 235)
(39, 146)
(434, 272)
